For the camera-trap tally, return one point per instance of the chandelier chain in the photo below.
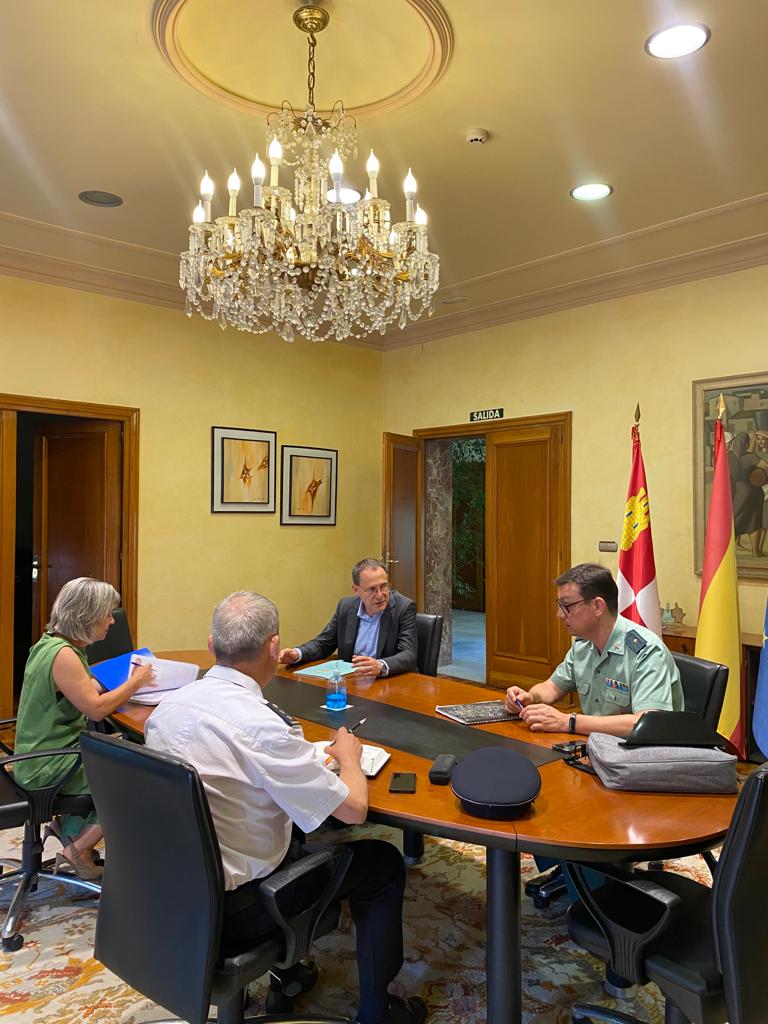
(311, 41)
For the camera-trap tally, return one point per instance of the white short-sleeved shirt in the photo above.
(259, 772)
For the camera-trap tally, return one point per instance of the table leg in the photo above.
(502, 894)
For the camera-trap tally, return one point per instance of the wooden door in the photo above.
(7, 555)
(403, 517)
(527, 546)
(77, 507)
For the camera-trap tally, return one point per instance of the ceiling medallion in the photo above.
(319, 262)
(168, 21)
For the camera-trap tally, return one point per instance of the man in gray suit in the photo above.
(375, 629)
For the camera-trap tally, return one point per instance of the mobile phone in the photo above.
(402, 782)
(568, 746)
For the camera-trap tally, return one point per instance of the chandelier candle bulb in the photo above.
(372, 167)
(206, 193)
(409, 187)
(258, 171)
(275, 154)
(233, 187)
(336, 167)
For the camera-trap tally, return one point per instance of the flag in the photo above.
(638, 592)
(717, 634)
(760, 711)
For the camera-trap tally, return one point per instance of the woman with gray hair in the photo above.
(58, 695)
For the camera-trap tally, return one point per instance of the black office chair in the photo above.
(160, 915)
(117, 641)
(704, 684)
(705, 948)
(429, 633)
(32, 808)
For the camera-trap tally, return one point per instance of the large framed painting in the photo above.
(745, 427)
(243, 470)
(308, 486)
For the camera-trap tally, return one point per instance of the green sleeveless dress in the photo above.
(46, 720)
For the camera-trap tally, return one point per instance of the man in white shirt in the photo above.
(261, 776)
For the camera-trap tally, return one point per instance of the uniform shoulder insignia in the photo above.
(635, 642)
(280, 713)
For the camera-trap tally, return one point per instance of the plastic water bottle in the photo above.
(336, 692)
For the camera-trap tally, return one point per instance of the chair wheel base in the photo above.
(13, 943)
(278, 1002)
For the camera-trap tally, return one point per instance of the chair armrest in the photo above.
(41, 800)
(299, 927)
(3, 723)
(646, 906)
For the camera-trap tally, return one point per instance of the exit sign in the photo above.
(480, 415)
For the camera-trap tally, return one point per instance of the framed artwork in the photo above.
(243, 470)
(745, 426)
(308, 486)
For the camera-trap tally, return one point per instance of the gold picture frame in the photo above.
(745, 423)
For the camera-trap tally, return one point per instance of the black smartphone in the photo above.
(568, 746)
(402, 782)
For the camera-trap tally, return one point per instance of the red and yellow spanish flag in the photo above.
(717, 632)
(636, 578)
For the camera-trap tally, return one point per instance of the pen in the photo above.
(352, 728)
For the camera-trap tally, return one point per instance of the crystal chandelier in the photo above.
(320, 262)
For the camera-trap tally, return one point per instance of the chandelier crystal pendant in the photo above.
(321, 261)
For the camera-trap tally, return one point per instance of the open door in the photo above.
(7, 554)
(527, 547)
(77, 527)
(403, 516)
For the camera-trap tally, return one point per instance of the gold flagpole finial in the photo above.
(720, 407)
(637, 414)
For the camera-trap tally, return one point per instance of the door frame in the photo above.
(486, 427)
(10, 406)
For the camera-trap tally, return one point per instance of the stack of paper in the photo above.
(168, 676)
(372, 759)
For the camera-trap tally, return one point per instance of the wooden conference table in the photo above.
(575, 817)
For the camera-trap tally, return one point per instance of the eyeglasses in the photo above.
(565, 606)
(379, 588)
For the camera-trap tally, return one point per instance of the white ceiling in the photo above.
(87, 101)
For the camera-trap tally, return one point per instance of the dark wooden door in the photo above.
(403, 526)
(77, 507)
(527, 546)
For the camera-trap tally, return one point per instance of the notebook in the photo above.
(482, 712)
(372, 760)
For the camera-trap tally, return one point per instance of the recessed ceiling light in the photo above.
(95, 197)
(677, 40)
(346, 195)
(454, 300)
(591, 191)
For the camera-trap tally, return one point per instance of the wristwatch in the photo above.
(572, 724)
(383, 668)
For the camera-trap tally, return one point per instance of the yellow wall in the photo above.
(599, 361)
(185, 376)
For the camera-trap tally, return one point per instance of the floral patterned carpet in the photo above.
(54, 979)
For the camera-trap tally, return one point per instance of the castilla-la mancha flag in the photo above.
(638, 592)
(717, 632)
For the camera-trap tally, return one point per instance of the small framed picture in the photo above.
(243, 470)
(308, 486)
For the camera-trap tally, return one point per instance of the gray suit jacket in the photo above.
(397, 634)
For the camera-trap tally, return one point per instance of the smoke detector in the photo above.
(477, 136)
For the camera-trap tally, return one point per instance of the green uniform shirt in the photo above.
(635, 672)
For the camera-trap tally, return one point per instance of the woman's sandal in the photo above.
(83, 867)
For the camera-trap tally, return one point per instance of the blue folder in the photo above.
(114, 671)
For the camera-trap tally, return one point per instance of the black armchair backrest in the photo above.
(704, 684)
(740, 904)
(160, 913)
(429, 633)
(117, 641)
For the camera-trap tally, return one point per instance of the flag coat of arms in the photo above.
(718, 636)
(636, 579)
